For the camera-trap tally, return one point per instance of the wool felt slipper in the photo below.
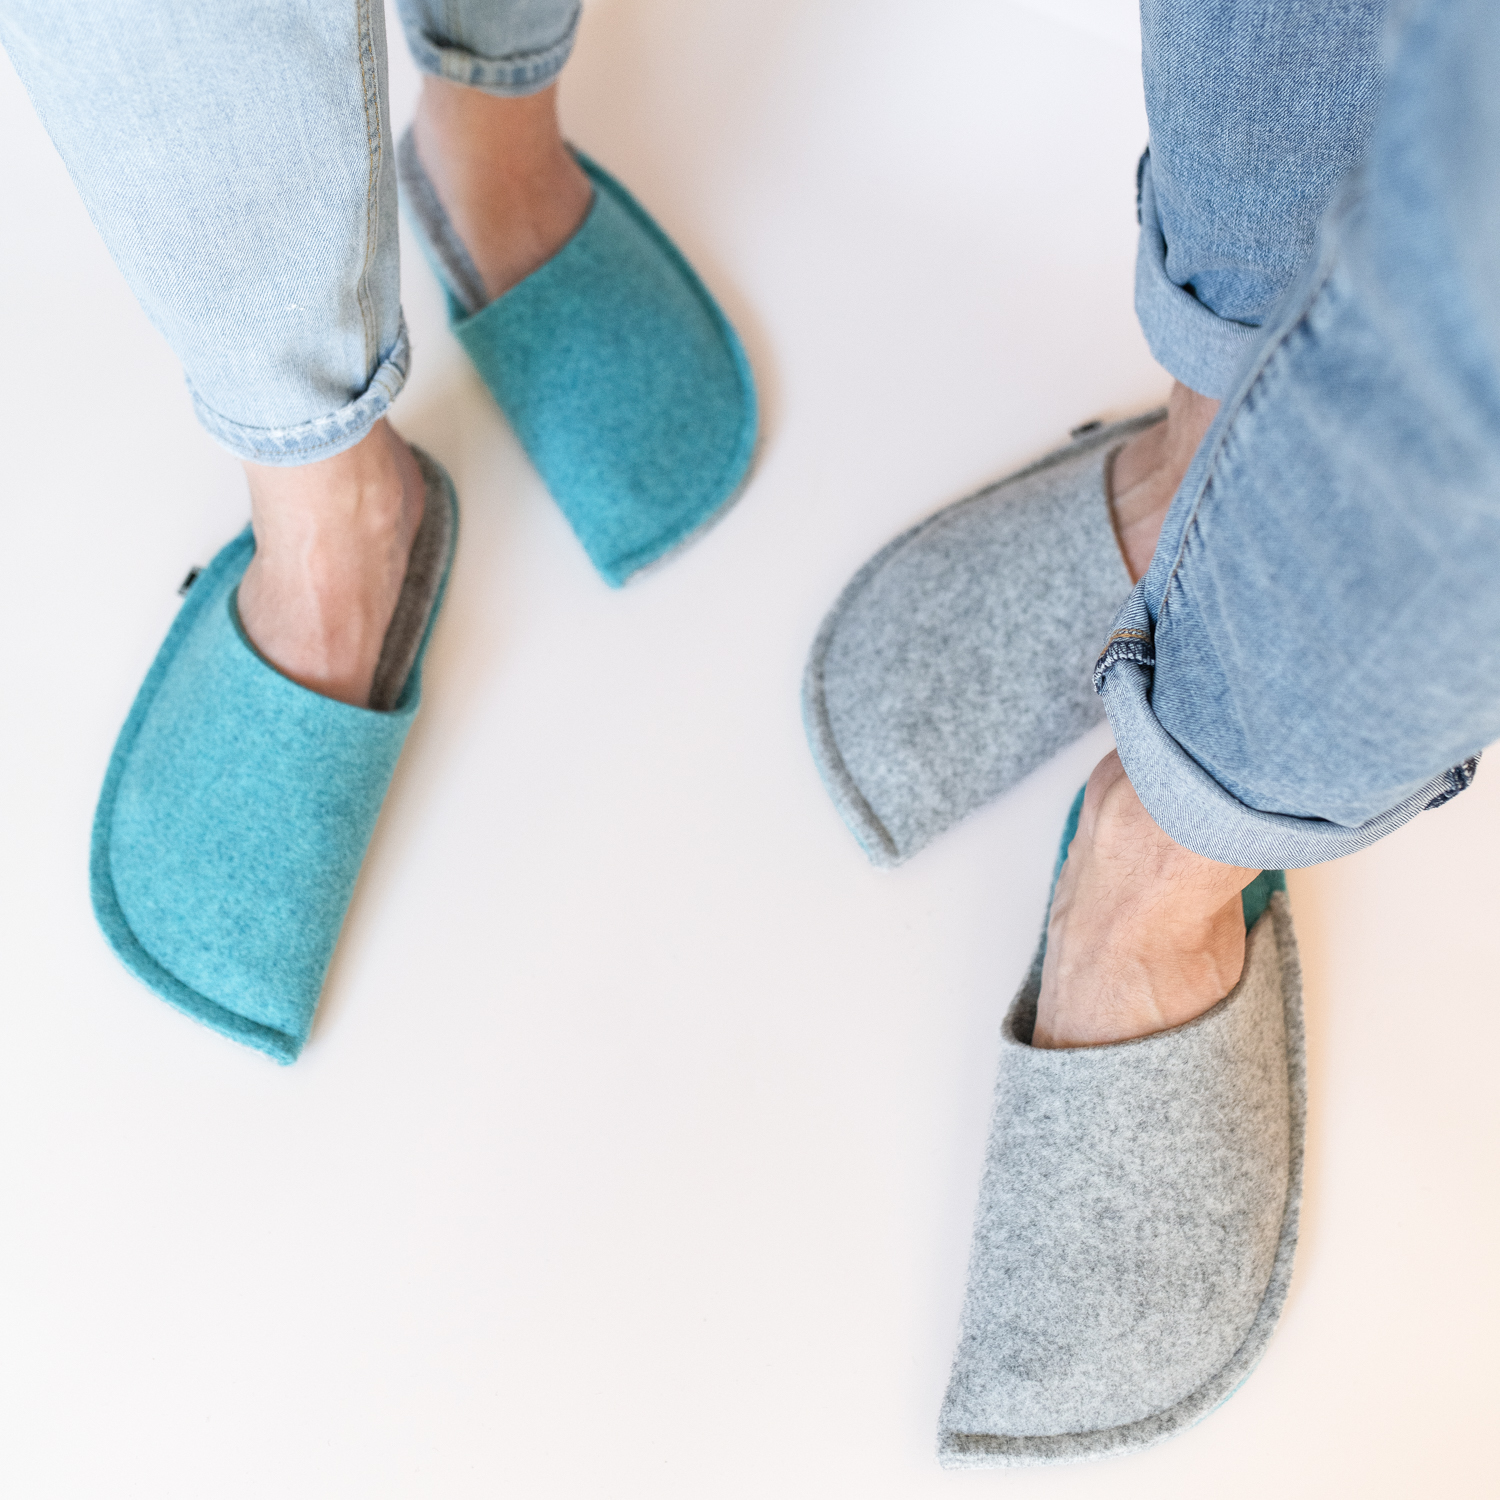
(625, 383)
(1137, 1221)
(238, 805)
(960, 657)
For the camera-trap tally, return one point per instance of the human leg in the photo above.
(1255, 112)
(1142, 934)
(1314, 655)
(513, 191)
(240, 170)
(239, 167)
(620, 375)
(1148, 469)
(487, 132)
(332, 543)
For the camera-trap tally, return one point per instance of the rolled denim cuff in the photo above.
(320, 437)
(510, 77)
(1191, 342)
(1190, 806)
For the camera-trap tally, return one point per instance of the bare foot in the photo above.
(1148, 471)
(509, 185)
(332, 540)
(1143, 934)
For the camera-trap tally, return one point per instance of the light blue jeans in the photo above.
(236, 158)
(1313, 656)
(1257, 109)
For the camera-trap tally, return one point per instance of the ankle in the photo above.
(1148, 471)
(504, 175)
(1143, 934)
(368, 491)
(332, 544)
(472, 132)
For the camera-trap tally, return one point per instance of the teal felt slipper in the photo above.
(625, 383)
(238, 805)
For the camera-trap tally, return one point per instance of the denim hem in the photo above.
(1192, 343)
(321, 437)
(510, 77)
(1200, 814)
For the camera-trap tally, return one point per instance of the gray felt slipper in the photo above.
(1137, 1221)
(960, 657)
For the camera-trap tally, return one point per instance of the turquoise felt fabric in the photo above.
(234, 817)
(1254, 898)
(625, 383)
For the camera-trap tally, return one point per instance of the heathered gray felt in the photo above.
(959, 657)
(426, 568)
(1136, 1224)
(430, 222)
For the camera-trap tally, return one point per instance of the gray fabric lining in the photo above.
(1136, 1225)
(959, 657)
(430, 550)
(429, 220)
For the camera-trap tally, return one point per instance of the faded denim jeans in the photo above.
(1256, 110)
(236, 157)
(1313, 656)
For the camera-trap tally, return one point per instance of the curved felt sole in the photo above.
(739, 467)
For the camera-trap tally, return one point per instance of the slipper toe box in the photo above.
(1136, 1226)
(959, 658)
(235, 816)
(625, 383)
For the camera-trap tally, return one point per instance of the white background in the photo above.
(636, 1145)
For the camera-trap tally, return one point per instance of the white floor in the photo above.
(635, 1148)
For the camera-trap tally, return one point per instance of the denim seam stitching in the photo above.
(1272, 350)
(372, 187)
